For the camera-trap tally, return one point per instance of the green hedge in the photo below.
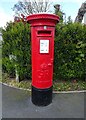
(70, 50)
(16, 41)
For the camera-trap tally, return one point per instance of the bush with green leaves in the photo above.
(70, 51)
(16, 49)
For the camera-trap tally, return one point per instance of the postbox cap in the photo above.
(42, 19)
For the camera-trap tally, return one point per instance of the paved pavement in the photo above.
(17, 104)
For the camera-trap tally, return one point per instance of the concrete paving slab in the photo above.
(17, 104)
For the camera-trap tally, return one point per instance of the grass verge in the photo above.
(59, 85)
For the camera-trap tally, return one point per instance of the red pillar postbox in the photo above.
(42, 39)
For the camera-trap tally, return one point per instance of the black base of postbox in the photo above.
(41, 97)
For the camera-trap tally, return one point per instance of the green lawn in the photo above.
(59, 85)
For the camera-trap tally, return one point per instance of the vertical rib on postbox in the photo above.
(42, 44)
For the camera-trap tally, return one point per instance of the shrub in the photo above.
(70, 51)
(16, 43)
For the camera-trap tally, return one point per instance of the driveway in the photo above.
(17, 103)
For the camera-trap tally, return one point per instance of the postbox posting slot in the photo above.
(44, 46)
(44, 33)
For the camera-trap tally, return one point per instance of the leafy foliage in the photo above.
(17, 44)
(59, 12)
(70, 50)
